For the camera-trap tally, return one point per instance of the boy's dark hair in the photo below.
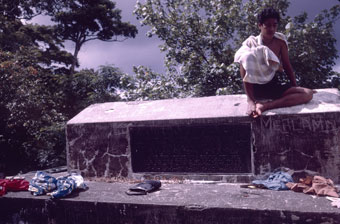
(268, 13)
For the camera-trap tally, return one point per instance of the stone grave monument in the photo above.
(208, 138)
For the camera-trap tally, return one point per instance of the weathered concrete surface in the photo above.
(304, 137)
(171, 109)
(325, 100)
(173, 203)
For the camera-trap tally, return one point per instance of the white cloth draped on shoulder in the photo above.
(258, 60)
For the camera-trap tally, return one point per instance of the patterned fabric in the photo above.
(43, 183)
(259, 62)
(65, 185)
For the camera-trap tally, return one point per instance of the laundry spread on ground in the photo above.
(280, 179)
(43, 183)
(315, 185)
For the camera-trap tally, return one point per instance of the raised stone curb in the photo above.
(173, 203)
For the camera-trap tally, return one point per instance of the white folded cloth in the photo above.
(258, 60)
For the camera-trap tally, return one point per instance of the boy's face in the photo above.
(269, 27)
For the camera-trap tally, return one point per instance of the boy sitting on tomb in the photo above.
(261, 58)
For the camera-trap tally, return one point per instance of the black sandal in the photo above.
(145, 187)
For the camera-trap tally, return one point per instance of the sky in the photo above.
(145, 51)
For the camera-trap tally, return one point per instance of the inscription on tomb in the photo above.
(224, 148)
(298, 124)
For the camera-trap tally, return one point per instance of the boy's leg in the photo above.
(248, 88)
(250, 99)
(291, 97)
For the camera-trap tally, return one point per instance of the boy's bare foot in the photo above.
(259, 108)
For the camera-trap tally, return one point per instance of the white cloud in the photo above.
(337, 67)
(122, 54)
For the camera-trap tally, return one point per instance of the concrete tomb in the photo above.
(208, 138)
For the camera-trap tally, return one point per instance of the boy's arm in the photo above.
(286, 64)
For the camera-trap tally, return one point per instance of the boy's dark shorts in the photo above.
(271, 90)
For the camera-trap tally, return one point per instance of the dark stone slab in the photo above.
(191, 149)
(98, 150)
(173, 203)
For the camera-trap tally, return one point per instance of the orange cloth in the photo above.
(315, 185)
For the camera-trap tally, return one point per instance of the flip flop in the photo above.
(145, 187)
(253, 186)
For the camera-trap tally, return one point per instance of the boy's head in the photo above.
(268, 21)
(267, 13)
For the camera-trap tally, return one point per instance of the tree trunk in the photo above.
(75, 57)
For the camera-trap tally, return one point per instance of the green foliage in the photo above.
(87, 87)
(195, 35)
(312, 47)
(148, 85)
(34, 108)
(201, 37)
(38, 92)
(31, 127)
(31, 133)
(42, 40)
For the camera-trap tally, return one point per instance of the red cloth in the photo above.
(13, 185)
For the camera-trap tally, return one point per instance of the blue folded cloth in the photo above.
(42, 183)
(276, 181)
(66, 184)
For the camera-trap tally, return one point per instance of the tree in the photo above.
(149, 85)
(81, 21)
(88, 86)
(313, 50)
(38, 97)
(201, 37)
(15, 34)
(31, 127)
(195, 35)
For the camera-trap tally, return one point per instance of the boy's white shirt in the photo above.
(259, 62)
